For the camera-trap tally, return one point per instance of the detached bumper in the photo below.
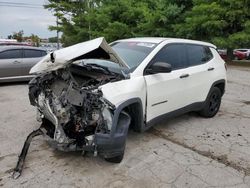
(110, 145)
(107, 145)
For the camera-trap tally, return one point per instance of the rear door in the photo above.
(31, 57)
(10, 63)
(201, 67)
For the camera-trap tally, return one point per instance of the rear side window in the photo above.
(198, 55)
(173, 54)
(11, 54)
(33, 53)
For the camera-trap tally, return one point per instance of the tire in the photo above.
(116, 159)
(212, 104)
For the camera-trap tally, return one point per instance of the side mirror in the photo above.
(159, 67)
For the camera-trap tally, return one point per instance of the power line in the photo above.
(20, 6)
(14, 3)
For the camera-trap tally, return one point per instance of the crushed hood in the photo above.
(93, 49)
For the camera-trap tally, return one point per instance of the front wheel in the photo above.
(212, 103)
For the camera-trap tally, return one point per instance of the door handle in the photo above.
(184, 76)
(210, 69)
(16, 62)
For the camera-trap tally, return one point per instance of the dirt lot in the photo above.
(187, 151)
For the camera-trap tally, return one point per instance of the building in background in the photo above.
(27, 41)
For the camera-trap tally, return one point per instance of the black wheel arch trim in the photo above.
(222, 81)
(113, 144)
(122, 106)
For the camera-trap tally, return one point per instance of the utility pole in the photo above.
(57, 33)
(89, 7)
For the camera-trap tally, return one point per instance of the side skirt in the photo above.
(189, 108)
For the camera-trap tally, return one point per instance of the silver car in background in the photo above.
(16, 62)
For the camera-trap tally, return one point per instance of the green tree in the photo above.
(131, 18)
(18, 36)
(35, 40)
(53, 39)
(82, 20)
(72, 19)
(225, 22)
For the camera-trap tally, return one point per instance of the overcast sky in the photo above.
(30, 20)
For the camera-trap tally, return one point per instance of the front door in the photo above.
(166, 92)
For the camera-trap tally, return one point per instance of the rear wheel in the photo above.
(116, 159)
(212, 104)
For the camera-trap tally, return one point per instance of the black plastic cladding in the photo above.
(114, 143)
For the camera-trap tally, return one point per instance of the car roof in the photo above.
(242, 49)
(3, 48)
(158, 40)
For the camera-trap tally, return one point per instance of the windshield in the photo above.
(133, 53)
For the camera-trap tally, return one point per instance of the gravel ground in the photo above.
(187, 151)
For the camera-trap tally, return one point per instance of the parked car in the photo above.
(89, 95)
(14, 44)
(223, 53)
(241, 54)
(16, 62)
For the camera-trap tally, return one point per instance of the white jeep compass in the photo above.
(89, 94)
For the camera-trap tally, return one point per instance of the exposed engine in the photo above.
(74, 114)
(71, 106)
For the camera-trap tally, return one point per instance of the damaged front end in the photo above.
(73, 113)
(70, 112)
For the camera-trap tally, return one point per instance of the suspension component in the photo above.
(19, 167)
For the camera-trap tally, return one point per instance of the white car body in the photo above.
(89, 107)
(151, 88)
(179, 92)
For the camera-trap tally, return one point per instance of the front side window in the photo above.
(173, 54)
(198, 54)
(11, 54)
(33, 53)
